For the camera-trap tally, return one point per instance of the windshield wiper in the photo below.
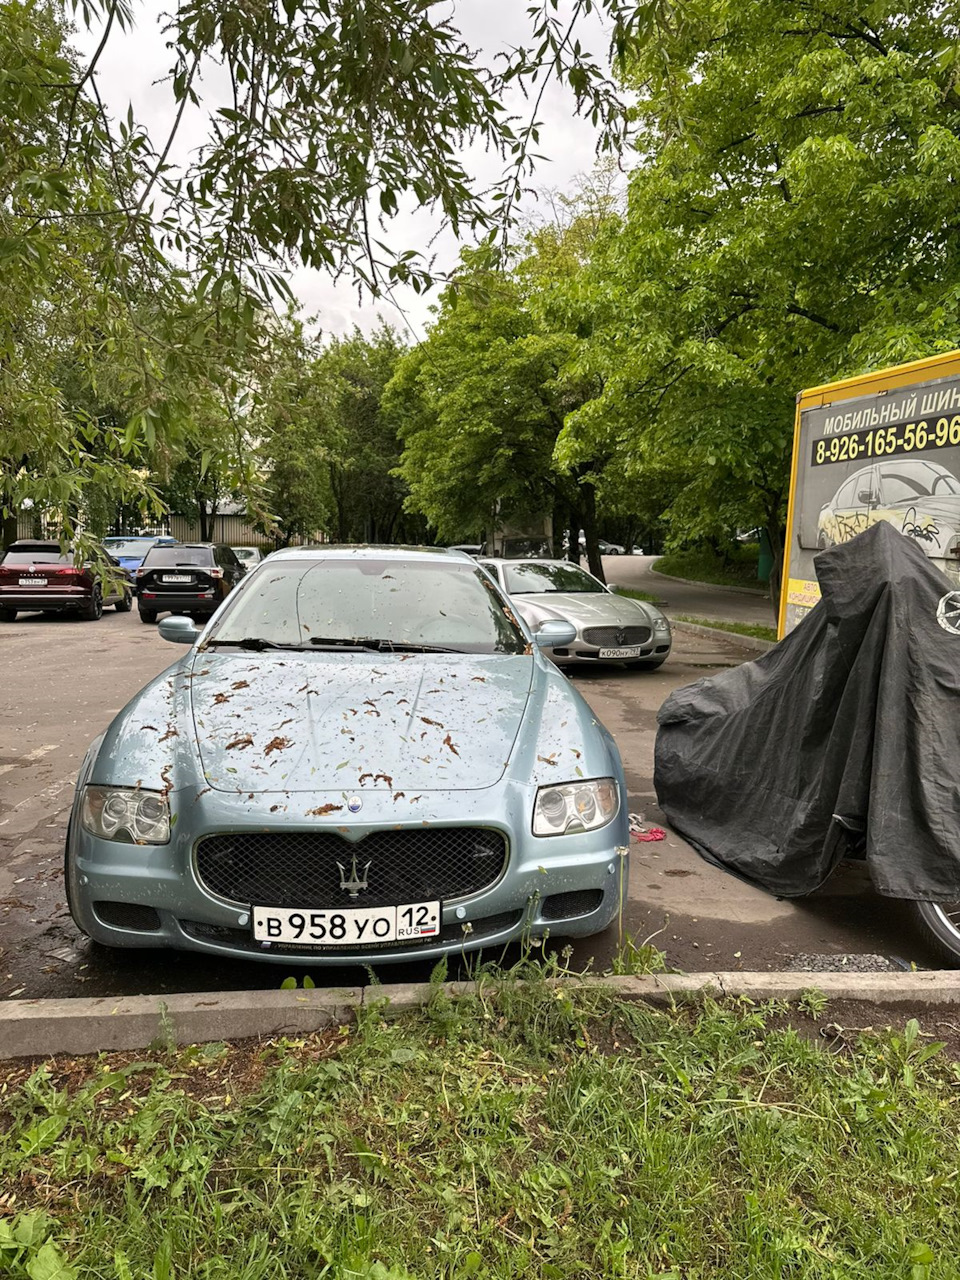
(251, 642)
(378, 646)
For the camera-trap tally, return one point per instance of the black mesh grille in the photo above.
(616, 637)
(299, 869)
(241, 938)
(580, 902)
(127, 915)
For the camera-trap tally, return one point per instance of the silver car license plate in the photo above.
(177, 577)
(349, 927)
(633, 651)
(33, 582)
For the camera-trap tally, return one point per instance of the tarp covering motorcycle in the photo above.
(849, 729)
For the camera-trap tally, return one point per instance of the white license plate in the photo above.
(177, 577)
(348, 927)
(33, 582)
(633, 651)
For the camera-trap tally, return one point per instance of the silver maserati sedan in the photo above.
(610, 627)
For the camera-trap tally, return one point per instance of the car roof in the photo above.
(334, 551)
(33, 544)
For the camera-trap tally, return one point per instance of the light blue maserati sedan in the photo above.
(363, 757)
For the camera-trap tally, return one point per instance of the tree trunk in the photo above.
(9, 530)
(588, 511)
(775, 532)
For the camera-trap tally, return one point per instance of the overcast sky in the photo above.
(133, 67)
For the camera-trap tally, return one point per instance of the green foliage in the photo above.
(535, 1128)
(733, 565)
(793, 222)
(327, 452)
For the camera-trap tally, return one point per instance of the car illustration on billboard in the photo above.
(920, 499)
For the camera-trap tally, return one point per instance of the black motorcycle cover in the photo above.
(848, 729)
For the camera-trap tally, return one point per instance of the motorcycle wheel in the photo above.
(940, 925)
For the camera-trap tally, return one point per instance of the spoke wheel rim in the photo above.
(948, 914)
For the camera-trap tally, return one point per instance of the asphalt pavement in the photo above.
(64, 680)
(723, 604)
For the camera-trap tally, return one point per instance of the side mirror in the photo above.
(868, 497)
(178, 630)
(614, 589)
(554, 634)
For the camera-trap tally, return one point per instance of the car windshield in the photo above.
(402, 603)
(534, 579)
(169, 557)
(127, 546)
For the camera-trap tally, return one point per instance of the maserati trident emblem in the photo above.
(354, 804)
(621, 638)
(357, 879)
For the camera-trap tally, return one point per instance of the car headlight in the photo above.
(575, 806)
(129, 814)
(661, 624)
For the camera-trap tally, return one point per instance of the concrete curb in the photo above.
(43, 1028)
(711, 586)
(752, 643)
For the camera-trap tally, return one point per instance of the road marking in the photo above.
(30, 758)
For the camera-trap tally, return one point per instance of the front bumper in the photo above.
(139, 896)
(656, 649)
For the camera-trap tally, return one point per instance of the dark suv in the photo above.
(41, 576)
(191, 578)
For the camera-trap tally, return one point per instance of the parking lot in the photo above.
(64, 680)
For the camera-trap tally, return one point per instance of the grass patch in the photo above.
(738, 568)
(631, 594)
(738, 628)
(529, 1131)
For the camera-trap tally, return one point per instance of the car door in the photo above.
(855, 505)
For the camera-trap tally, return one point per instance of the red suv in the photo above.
(190, 577)
(40, 576)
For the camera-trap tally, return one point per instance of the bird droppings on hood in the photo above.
(479, 679)
(201, 793)
(322, 810)
(220, 698)
(240, 684)
(435, 723)
(448, 742)
(277, 744)
(377, 777)
(150, 726)
(398, 795)
(414, 799)
(282, 722)
(244, 740)
(165, 779)
(547, 759)
(171, 733)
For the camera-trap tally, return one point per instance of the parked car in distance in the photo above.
(40, 576)
(365, 759)
(130, 550)
(191, 577)
(609, 627)
(637, 551)
(470, 548)
(606, 548)
(249, 557)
